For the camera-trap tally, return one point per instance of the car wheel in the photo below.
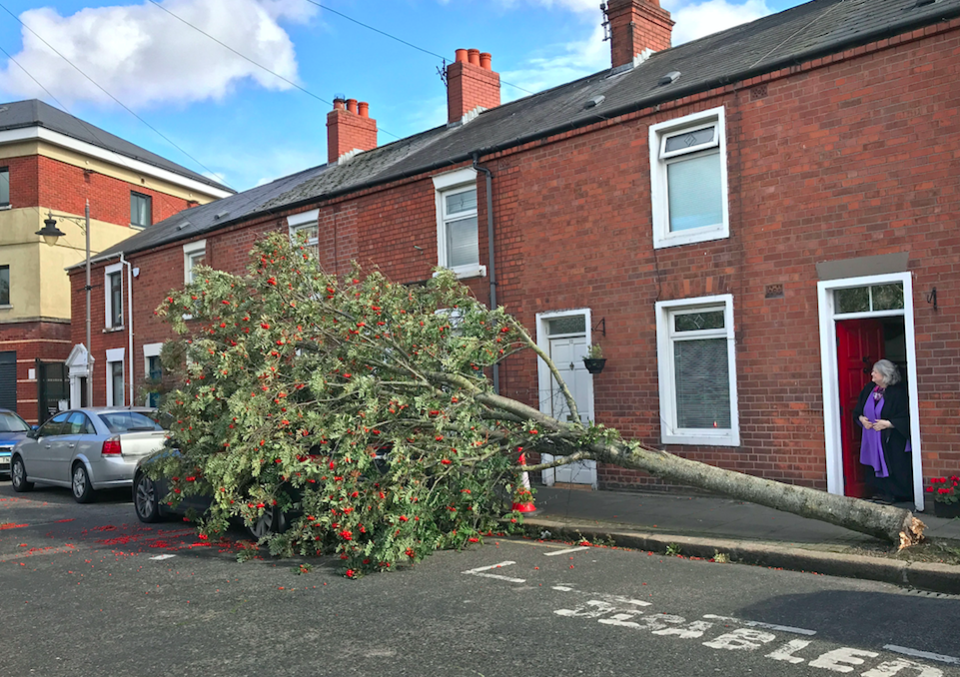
(18, 475)
(271, 522)
(145, 499)
(80, 484)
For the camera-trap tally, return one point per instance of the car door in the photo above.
(87, 442)
(38, 453)
(64, 448)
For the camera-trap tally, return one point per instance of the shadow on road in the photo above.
(873, 619)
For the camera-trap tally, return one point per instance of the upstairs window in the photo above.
(4, 187)
(688, 179)
(141, 210)
(458, 245)
(4, 285)
(194, 254)
(113, 302)
(306, 225)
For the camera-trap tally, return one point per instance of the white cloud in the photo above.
(564, 62)
(144, 56)
(696, 20)
(559, 64)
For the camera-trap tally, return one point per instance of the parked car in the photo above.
(148, 495)
(87, 449)
(12, 430)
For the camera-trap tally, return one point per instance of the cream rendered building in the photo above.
(53, 162)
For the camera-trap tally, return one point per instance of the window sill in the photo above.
(703, 438)
(6, 306)
(467, 272)
(112, 330)
(6, 207)
(690, 237)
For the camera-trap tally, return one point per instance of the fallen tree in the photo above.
(363, 407)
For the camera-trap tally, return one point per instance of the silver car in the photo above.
(87, 449)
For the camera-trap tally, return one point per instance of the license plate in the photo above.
(4, 460)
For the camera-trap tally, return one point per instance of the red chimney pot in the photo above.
(363, 109)
(461, 56)
(352, 106)
(474, 56)
(485, 60)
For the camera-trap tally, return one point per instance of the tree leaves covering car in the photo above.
(295, 386)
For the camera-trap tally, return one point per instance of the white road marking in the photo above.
(916, 653)
(161, 557)
(479, 571)
(563, 588)
(564, 552)
(758, 624)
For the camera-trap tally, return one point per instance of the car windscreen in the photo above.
(11, 423)
(128, 422)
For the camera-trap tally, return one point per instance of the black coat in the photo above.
(896, 409)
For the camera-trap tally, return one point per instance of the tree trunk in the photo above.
(891, 524)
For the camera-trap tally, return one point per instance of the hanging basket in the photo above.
(594, 364)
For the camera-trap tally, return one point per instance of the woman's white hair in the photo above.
(888, 370)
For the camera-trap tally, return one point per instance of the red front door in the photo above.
(859, 346)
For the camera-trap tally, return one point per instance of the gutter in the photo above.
(491, 255)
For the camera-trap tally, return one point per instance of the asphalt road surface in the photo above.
(88, 591)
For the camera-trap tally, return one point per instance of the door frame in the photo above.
(831, 379)
(543, 376)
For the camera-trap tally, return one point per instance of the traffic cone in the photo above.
(524, 506)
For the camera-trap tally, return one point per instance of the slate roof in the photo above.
(34, 113)
(794, 36)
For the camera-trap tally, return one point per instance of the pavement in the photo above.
(701, 526)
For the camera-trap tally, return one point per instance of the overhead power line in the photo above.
(400, 40)
(97, 85)
(255, 63)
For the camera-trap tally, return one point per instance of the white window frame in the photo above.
(116, 355)
(149, 350)
(297, 222)
(669, 433)
(190, 252)
(659, 190)
(108, 300)
(445, 184)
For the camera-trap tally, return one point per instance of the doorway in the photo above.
(863, 320)
(860, 343)
(564, 336)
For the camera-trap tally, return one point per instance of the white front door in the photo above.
(566, 349)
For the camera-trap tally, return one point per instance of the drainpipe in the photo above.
(129, 319)
(491, 262)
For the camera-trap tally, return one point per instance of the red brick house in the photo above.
(52, 162)
(744, 223)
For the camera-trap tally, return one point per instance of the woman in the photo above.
(884, 414)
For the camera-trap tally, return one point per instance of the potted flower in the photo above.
(594, 359)
(946, 496)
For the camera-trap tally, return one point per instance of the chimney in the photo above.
(635, 26)
(349, 127)
(470, 83)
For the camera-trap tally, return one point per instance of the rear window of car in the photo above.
(129, 422)
(11, 423)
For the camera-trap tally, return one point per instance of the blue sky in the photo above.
(246, 126)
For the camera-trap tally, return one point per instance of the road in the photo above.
(88, 591)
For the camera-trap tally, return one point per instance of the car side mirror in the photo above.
(34, 427)
(32, 433)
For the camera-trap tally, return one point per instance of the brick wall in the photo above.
(65, 187)
(848, 156)
(47, 341)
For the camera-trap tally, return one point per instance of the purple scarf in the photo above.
(871, 444)
(871, 447)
